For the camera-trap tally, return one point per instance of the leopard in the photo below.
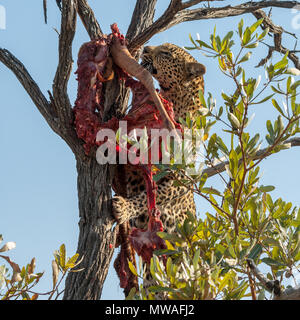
(180, 77)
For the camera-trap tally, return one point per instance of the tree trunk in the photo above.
(96, 231)
(96, 225)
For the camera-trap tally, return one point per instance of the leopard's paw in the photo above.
(120, 209)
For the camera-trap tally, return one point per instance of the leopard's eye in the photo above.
(166, 53)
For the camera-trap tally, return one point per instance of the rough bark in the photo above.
(96, 231)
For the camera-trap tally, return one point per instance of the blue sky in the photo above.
(38, 195)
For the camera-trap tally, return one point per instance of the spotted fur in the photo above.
(180, 78)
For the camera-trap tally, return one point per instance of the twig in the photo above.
(251, 284)
(45, 10)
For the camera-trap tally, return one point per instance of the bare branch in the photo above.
(177, 12)
(295, 142)
(88, 19)
(277, 35)
(60, 83)
(228, 11)
(191, 3)
(60, 99)
(57, 112)
(45, 10)
(142, 17)
(12, 63)
(174, 7)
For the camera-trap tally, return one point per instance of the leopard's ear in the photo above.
(194, 69)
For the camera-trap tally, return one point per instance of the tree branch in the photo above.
(60, 99)
(12, 63)
(177, 12)
(88, 19)
(273, 286)
(191, 3)
(174, 7)
(277, 35)
(64, 68)
(295, 142)
(142, 17)
(228, 11)
(58, 112)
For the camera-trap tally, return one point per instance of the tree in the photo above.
(94, 181)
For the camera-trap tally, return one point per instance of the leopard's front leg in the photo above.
(170, 201)
(133, 208)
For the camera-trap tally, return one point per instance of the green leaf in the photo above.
(270, 128)
(256, 25)
(233, 120)
(225, 280)
(276, 105)
(171, 237)
(277, 90)
(203, 44)
(165, 252)
(71, 261)
(62, 255)
(266, 188)
(246, 36)
(264, 99)
(252, 46)
(255, 252)
(160, 175)
(228, 36)
(261, 295)
(263, 34)
(281, 64)
(295, 85)
(202, 100)
(246, 57)
(240, 27)
(196, 258)
(132, 268)
(211, 191)
(192, 40)
(271, 262)
(131, 294)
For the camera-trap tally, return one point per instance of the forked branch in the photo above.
(177, 12)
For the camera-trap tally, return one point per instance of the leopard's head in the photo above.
(172, 66)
